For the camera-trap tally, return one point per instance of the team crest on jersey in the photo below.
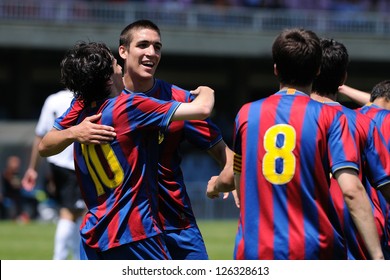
(160, 137)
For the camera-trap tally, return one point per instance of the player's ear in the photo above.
(122, 52)
(276, 73)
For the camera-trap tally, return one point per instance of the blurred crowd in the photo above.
(18, 204)
(332, 5)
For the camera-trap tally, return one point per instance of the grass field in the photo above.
(34, 241)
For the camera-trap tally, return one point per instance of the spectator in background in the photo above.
(68, 196)
(13, 201)
(307, 4)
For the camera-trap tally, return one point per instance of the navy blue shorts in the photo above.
(152, 248)
(186, 244)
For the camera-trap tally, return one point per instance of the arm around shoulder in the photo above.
(199, 109)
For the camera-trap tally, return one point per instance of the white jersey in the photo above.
(55, 105)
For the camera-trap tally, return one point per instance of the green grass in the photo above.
(219, 238)
(34, 241)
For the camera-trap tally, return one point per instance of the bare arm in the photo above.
(30, 176)
(225, 181)
(357, 96)
(359, 206)
(87, 132)
(199, 109)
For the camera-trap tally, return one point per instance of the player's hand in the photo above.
(29, 179)
(202, 90)
(212, 191)
(89, 132)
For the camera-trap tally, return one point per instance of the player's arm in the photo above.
(224, 182)
(87, 132)
(224, 156)
(213, 189)
(359, 207)
(199, 109)
(357, 96)
(30, 176)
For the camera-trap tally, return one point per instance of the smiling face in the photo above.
(141, 59)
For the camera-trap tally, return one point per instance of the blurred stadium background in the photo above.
(223, 44)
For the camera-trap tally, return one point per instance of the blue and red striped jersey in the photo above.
(381, 118)
(289, 144)
(119, 180)
(174, 203)
(374, 172)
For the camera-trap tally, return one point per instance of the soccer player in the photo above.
(67, 191)
(140, 47)
(183, 237)
(286, 145)
(374, 163)
(377, 107)
(118, 180)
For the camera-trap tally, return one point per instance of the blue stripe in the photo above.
(280, 201)
(310, 211)
(252, 191)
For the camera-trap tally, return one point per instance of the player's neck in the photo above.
(382, 102)
(304, 89)
(322, 98)
(138, 86)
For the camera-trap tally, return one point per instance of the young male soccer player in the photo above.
(285, 147)
(374, 162)
(140, 47)
(119, 179)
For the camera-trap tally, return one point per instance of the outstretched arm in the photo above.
(87, 132)
(357, 96)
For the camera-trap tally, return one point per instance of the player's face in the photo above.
(117, 78)
(143, 55)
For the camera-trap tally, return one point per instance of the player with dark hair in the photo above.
(183, 237)
(286, 145)
(374, 156)
(118, 179)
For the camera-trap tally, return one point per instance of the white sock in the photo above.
(64, 238)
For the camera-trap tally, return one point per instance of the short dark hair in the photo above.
(335, 60)
(297, 55)
(86, 69)
(382, 89)
(126, 35)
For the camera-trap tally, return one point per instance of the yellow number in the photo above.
(96, 168)
(279, 150)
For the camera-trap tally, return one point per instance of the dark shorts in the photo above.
(152, 248)
(68, 193)
(186, 244)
